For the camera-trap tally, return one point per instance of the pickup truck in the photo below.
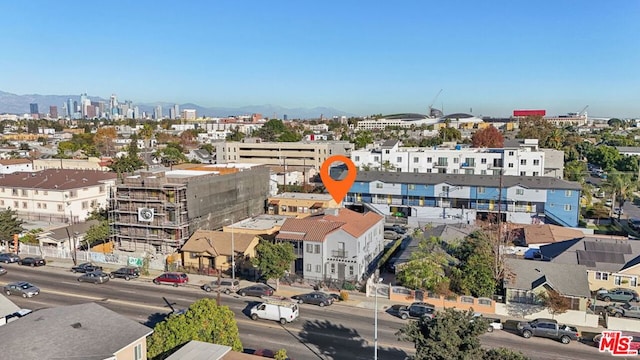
(548, 328)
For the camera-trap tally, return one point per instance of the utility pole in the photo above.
(500, 210)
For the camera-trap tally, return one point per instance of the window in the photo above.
(523, 173)
(351, 270)
(36, 192)
(399, 159)
(39, 206)
(523, 161)
(24, 204)
(567, 207)
(85, 205)
(94, 203)
(412, 186)
(357, 158)
(442, 161)
(510, 153)
(428, 171)
(378, 185)
(602, 275)
(44, 205)
(15, 204)
(536, 162)
(511, 165)
(445, 189)
(483, 172)
(429, 160)
(535, 173)
(310, 248)
(633, 281)
(308, 267)
(415, 170)
(483, 161)
(469, 171)
(24, 192)
(617, 280)
(456, 160)
(14, 192)
(2, 202)
(386, 151)
(376, 158)
(73, 193)
(60, 207)
(455, 171)
(317, 249)
(416, 160)
(519, 191)
(318, 268)
(85, 189)
(481, 190)
(137, 352)
(46, 192)
(567, 193)
(333, 268)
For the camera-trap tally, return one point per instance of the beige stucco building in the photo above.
(300, 205)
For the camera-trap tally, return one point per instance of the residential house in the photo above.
(300, 205)
(211, 251)
(85, 331)
(67, 237)
(54, 195)
(9, 166)
(462, 197)
(526, 280)
(340, 244)
(528, 238)
(292, 175)
(609, 262)
(199, 350)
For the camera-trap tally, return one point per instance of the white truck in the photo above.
(282, 310)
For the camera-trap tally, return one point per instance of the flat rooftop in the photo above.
(303, 196)
(260, 222)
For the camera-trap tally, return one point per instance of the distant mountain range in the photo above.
(19, 104)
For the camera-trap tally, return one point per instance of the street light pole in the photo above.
(375, 326)
(233, 251)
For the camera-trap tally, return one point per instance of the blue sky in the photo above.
(362, 57)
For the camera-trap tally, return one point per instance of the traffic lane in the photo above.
(631, 210)
(540, 348)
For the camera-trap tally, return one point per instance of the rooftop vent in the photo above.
(76, 325)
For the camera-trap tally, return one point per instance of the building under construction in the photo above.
(159, 210)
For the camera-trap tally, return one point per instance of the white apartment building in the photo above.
(524, 160)
(9, 166)
(56, 195)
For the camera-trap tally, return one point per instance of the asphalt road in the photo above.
(334, 332)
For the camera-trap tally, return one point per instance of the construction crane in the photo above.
(433, 102)
(583, 110)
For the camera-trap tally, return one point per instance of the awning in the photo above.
(316, 205)
(274, 202)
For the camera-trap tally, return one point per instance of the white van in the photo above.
(284, 311)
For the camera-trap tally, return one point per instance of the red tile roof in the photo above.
(55, 179)
(355, 223)
(14, 161)
(316, 228)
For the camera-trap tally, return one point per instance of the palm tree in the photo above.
(621, 186)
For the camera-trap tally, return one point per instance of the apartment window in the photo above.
(445, 189)
(483, 161)
(2, 202)
(617, 280)
(317, 249)
(523, 173)
(428, 171)
(602, 275)
(309, 267)
(15, 204)
(94, 203)
(523, 161)
(35, 192)
(386, 151)
(46, 192)
(2, 189)
(567, 207)
(14, 192)
(482, 190)
(39, 206)
(535, 173)
(357, 158)
(44, 205)
(310, 248)
(415, 170)
(442, 161)
(552, 191)
(137, 352)
(510, 153)
(519, 191)
(429, 159)
(318, 268)
(456, 160)
(483, 172)
(73, 193)
(333, 268)
(351, 270)
(378, 185)
(633, 281)
(469, 171)
(511, 165)
(101, 188)
(567, 193)
(60, 207)
(399, 159)
(412, 186)
(85, 205)
(536, 162)
(376, 158)
(24, 204)
(416, 160)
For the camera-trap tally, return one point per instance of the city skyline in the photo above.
(489, 58)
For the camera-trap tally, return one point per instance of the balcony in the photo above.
(339, 253)
(441, 164)
(468, 165)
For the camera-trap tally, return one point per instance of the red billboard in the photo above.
(529, 112)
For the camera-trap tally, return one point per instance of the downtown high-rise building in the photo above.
(174, 112)
(136, 112)
(70, 109)
(53, 112)
(113, 105)
(33, 108)
(157, 113)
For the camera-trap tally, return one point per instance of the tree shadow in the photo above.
(247, 308)
(522, 310)
(338, 342)
(155, 318)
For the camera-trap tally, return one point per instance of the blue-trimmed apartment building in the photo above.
(524, 200)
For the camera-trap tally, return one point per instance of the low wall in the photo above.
(530, 312)
(614, 323)
(482, 305)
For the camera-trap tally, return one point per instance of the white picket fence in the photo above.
(156, 262)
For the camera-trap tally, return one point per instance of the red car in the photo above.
(172, 278)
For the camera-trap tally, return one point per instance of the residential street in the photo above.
(335, 332)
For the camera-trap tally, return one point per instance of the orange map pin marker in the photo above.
(338, 188)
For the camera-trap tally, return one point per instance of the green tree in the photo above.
(615, 123)
(426, 268)
(9, 225)
(535, 127)
(171, 155)
(605, 156)
(449, 134)
(281, 355)
(363, 139)
(235, 135)
(503, 354)
(621, 186)
(289, 136)
(208, 148)
(31, 237)
(97, 234)
(575, 170)
(475, 268)
(273, 260)
(204, 321)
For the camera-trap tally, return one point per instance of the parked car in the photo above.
(9, 258)
(226, 286)
(608, 203)
(256, 290)
(126, 273)
(620, 295)
(550, 329)
(396, 228)
(96, 277)
(316, 298)
(634, 224)
(635, 341)
(618, 211)
(23, 288)
(625, 310)
(2, 270)
(283, 311)
(417, 310)
(391, 235)
(172, 278)
(85, 268)
(493, 323)
(32, 261)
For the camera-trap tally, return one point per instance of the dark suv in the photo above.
(126, 273)
(417, 310)
(9, 258)
(226, 286)
(85, 268)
